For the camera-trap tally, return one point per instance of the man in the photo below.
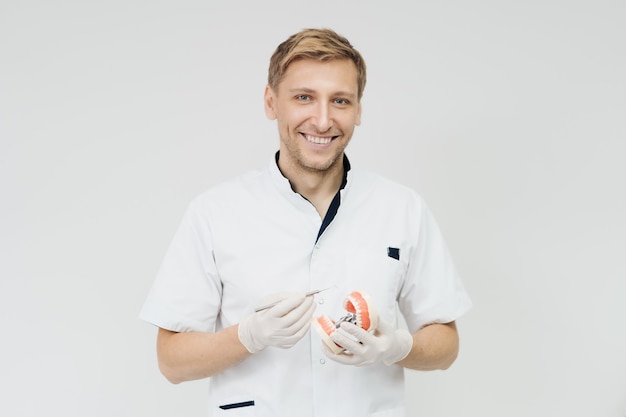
(308, 221)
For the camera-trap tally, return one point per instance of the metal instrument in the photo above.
(265, 307)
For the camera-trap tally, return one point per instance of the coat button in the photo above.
(322, 361)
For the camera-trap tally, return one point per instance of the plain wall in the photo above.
(507, 116)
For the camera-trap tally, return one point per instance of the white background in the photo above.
(507, 116)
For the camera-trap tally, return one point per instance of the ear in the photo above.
(269, 101)
(357, 119)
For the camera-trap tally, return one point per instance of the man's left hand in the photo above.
(386, 344)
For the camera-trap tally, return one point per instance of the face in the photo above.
(316, 107)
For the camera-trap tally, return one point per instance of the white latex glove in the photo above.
(386, 344)
(280, 326)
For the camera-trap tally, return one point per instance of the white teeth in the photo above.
(316, 139)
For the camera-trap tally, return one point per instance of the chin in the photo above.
(320, 166)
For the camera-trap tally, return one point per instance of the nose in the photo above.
(322, 118)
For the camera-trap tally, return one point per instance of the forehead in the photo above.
(323, 76)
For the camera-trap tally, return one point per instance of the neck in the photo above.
(318, 187)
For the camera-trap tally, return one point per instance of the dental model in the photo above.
(361, 313)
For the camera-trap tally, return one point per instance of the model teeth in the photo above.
(318, 140)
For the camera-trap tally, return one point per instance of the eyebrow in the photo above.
(311, 91)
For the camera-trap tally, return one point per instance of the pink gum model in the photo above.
(360, 312)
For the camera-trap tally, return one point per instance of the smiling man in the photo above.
(316, 103)
(306, 222)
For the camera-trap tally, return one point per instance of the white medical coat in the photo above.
(254, 236)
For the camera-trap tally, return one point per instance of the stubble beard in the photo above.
(303, 163)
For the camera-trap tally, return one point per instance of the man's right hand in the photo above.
(282, 325)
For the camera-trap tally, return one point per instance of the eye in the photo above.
(342, 101)
(303, 97)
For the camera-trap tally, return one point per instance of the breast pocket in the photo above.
(378, 270)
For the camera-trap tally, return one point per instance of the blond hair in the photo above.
(318, 44)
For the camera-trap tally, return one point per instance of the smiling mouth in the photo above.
(318, 139)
